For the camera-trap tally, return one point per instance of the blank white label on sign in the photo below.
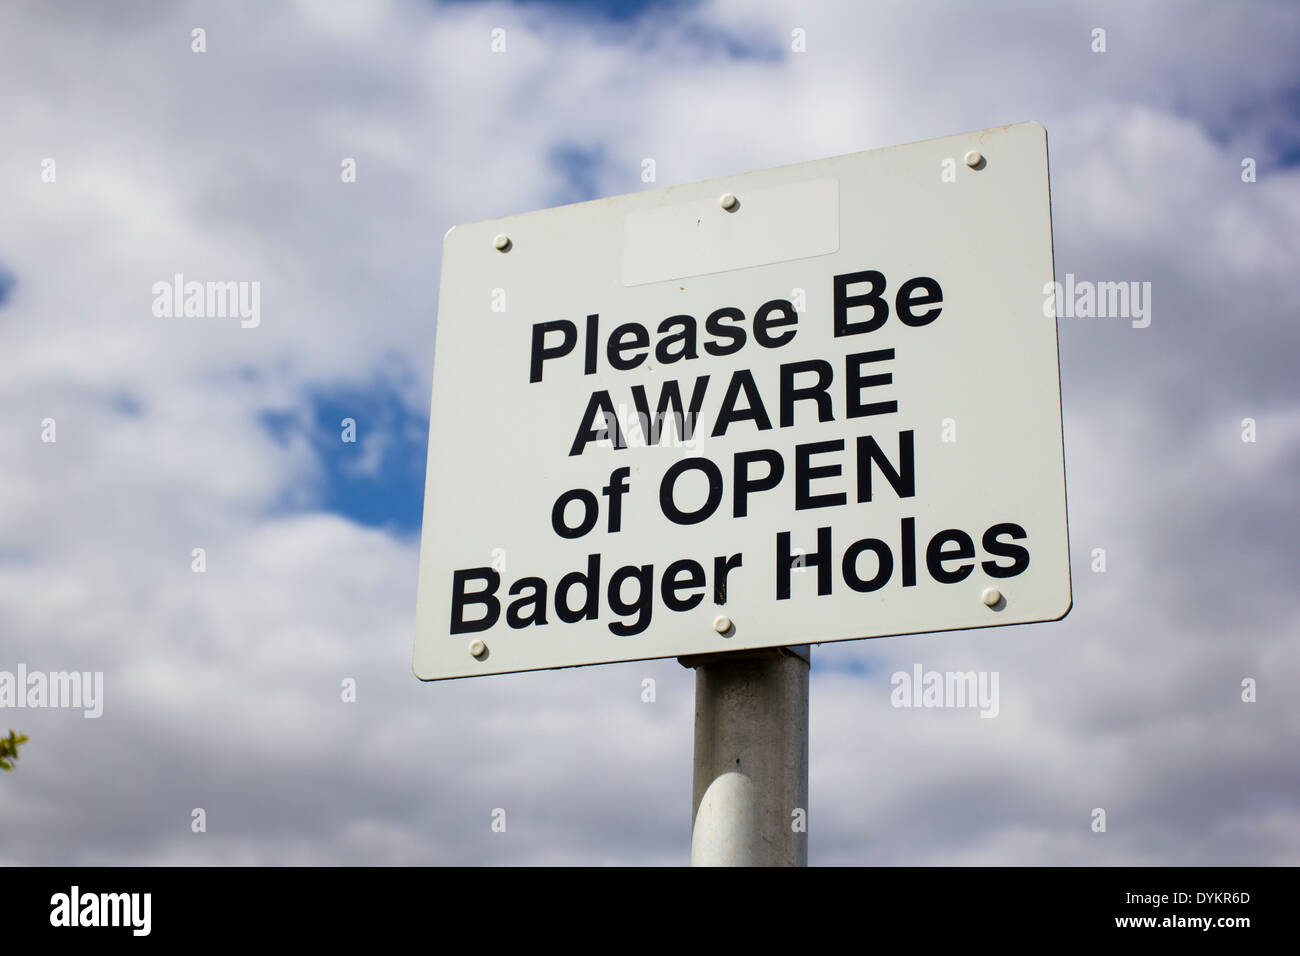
(795, 221)
(863, 354)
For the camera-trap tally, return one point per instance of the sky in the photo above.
(128, 157)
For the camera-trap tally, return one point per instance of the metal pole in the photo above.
(750, 805)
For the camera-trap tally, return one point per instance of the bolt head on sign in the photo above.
(824, 408)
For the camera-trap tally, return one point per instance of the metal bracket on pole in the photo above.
(750, 805)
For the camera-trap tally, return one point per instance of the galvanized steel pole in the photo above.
(750, 805)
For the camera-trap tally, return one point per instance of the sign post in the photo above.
(750, 785)
(821, 400)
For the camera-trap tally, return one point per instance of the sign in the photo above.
(808, 404)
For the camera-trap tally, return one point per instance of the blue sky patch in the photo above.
(842, 663)
(372, 451)
(579, 170)
(616, 10)
(7, 282)
(713, 40)
(125, 404)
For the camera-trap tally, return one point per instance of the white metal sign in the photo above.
(808, 404)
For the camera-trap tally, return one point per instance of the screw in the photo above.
(477, 648)
(502, 243)
(728, 201)
(991, 596)
(722, 624)
(974, 159)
